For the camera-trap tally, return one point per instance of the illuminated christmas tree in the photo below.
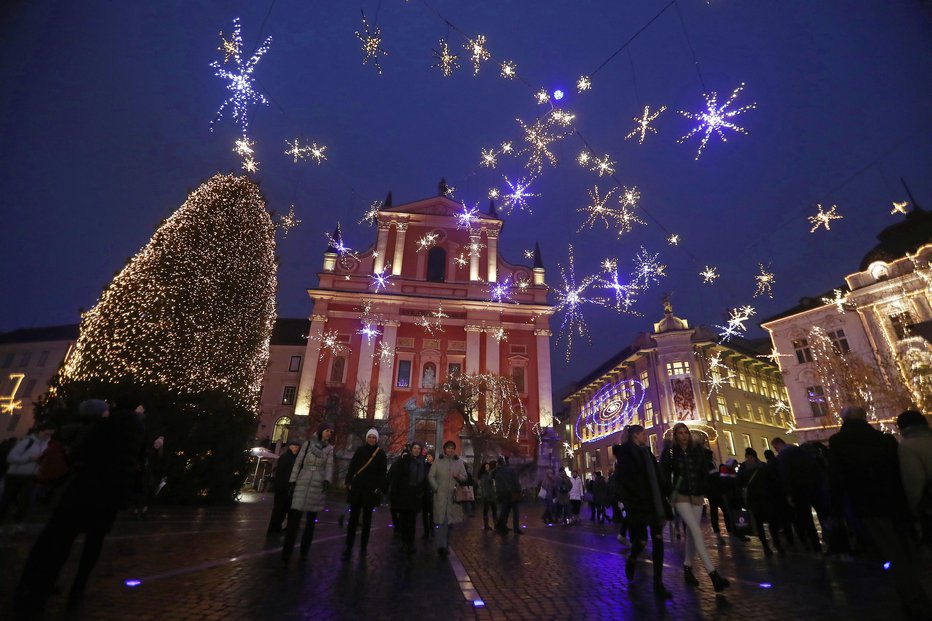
(193, 311)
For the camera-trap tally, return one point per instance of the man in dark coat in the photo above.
(644, 491)
(802, 480)
(280, 486)
(508, 489)
(407, 482)
(108, 468)
(865, 476)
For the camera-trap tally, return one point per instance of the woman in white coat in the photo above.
(311, 477)
(446, 472)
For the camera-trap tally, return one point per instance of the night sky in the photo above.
(105, 110)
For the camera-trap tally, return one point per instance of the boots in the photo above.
(689, 577)
(718, 583)
(661, 591)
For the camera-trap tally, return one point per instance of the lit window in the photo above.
(746, 438)
(680, 367)
(764, 442)
(803, 353)
(648, 413)
(288, 395)
(653, 443)
(730, 442)
(294, 364)
(723, 412)
(816, 395)
(644, 379)
(280, 430)
(404, 374)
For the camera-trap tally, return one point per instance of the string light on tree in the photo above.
(288, 222)
(764, 283)
(673, 240)
(715, 118)
(899, 207)
(371, 44)
(584, 83)
(709, 274)
(824, 218)
(477, 52)
(643, 124)
(240, 82)
(446, 60)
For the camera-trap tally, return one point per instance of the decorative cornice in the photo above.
(543, 333)
(322, 318)
(473, 328)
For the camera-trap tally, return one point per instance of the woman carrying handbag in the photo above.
(364, 482)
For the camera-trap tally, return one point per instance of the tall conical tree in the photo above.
(193, 310)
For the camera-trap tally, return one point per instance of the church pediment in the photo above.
(435, 206)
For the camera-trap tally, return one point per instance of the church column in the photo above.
(492, 353)
(544, 387)
(492, 239)
(386, 369)
(401, 229)
(381, 247)
(472, 348)
(473, 257)
(302, 405)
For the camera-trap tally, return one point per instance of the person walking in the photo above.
(408, 484)
(576, 495)
(445, 474)
(915, 454)
(427, 509)
(487, 495)
(21, 481)
(310, 479)
(562, 501)
(599, 496)
(864, 471)
(508, 489)
(643, 491)
(761, 490)
(687, 468)
(281, 486)
(364, 482)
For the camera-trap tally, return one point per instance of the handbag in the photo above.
(463, 493)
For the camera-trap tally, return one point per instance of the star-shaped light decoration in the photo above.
(603, 166)
(369, 331)
(629, 196)
(824, 218)
(466, 218)
(494, 193)
(446, 60)
(498, 334)
(648, 270)
(563, 117)
(715, 118)
(718, 372)
(507, 148)
(240, 83)
(250, 165)
(709, 274)
(316, 152)
(380, 279)
(643, 124)
(596, 210)
(764, 283)
(244, 146)
(383, 352)
(625, 294)
(342, 250)
(509, 70)
(427, 241)
(474, 248)
(627, 218)
(528, 254)
(371, 215)
(899, 207)
(840, 300)
(500, 292)
(780, 406)
(371, 44)
(477, 52)
(584, 83)
(673, 240)
(517, 198)
(736, 319)
(542, 96)
(461, 260)
(330, 341)
(539, 139)
(584, 158)
(298, 153)
(489, 158)
(288, 222)
(432, 322)
(230, 48)
(774, 356)
(570, 297)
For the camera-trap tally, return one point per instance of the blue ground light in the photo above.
(133, 583)
(766, 585)
(478, 603)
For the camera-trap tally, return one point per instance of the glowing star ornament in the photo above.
(781, 407)
(371, 216)
(230, 48)
(380, 279)
(369, 331)
(715, 118)
(824, 218)
(563, 117)
(383, 352)
(477, 52)
(584, 158)
(500, 292)
(629, 196)
(498, 334)
(475, 248)
(528, 254)
(494, 193)
(603, 166)
(625, 295)
(718, 372)
(315, 152)
(674, 240)
(899, 207)
(240, 81)
(774, 356)
(335, 242)
(489, 158)
(244, 146)
(570, 297)
(250, 165)
(427, 241)
(517, 198)
(446, 60)
(764, 283)
(648, 270)
(461, 260)
(507, 148)
(626, 220)
(509, 70)
(596, 210)
(735, 325)
(330, 342)
(584, 83)
(840, 300)
(643, 124)
(539, 139)
(542, 96)
(432, 322)
(466, 218)
(371, 44)
(288, 222)
(709, 274)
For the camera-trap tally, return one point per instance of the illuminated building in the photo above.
(729, 393)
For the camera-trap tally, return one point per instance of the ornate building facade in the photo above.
(725, 392)
(433, 297)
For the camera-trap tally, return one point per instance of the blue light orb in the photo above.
(886, 565)
(558, 94)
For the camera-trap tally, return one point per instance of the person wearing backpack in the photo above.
(21, 481)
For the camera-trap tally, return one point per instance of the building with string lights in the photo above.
(866, 342)
(433, 297)
(730, 393)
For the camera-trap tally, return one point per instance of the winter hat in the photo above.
(419, 443)
(321, 428)
(93, 407)
(911, 418)
(373, 432)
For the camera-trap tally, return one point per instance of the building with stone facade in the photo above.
(667, 376)
(430, 299)
(876, 354)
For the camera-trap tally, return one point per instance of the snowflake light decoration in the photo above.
(369, 331)
(342, 250)
(528, 254)
(718, 373)
(489, 158)
(371, 216)
(563, 117)
(625, 294)
(899, 207)
(584, 83)
(643, 124)
(288, 222)
(432, 322)
(715, 118)
(231, 47)
(735, 325)
(840, 300)
(630, 196)
(500, 292)
(539, 139)
(240, 83)
(603, 166)
(507, 148)
(709, 274)
(570, 297)
(330, 341)
(780, 406)
(250, 165)
(446, 60)
(509, 70)
(474, 248)
(824, 218)
(383, 352)
(498, 334)
(467, 217)
(673, 240)
(648, 270)
(477, 52)
(626, 220)
(429, 240)
(244, 146)
(764, 283)
(583, 158)
(371, 44)
(596, 210)
(774, 356)
(461, 260)
(380, 279)
(542, 96)
(313, 151)
(517, 198)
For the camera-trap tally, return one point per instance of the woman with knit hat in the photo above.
(311, 477)
(408, 483)
(364, 482)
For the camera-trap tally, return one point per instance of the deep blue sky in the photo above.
(105, 108)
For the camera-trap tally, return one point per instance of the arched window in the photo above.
(280, 431)
(436, 264)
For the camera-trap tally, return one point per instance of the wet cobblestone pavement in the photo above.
(216, 563)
